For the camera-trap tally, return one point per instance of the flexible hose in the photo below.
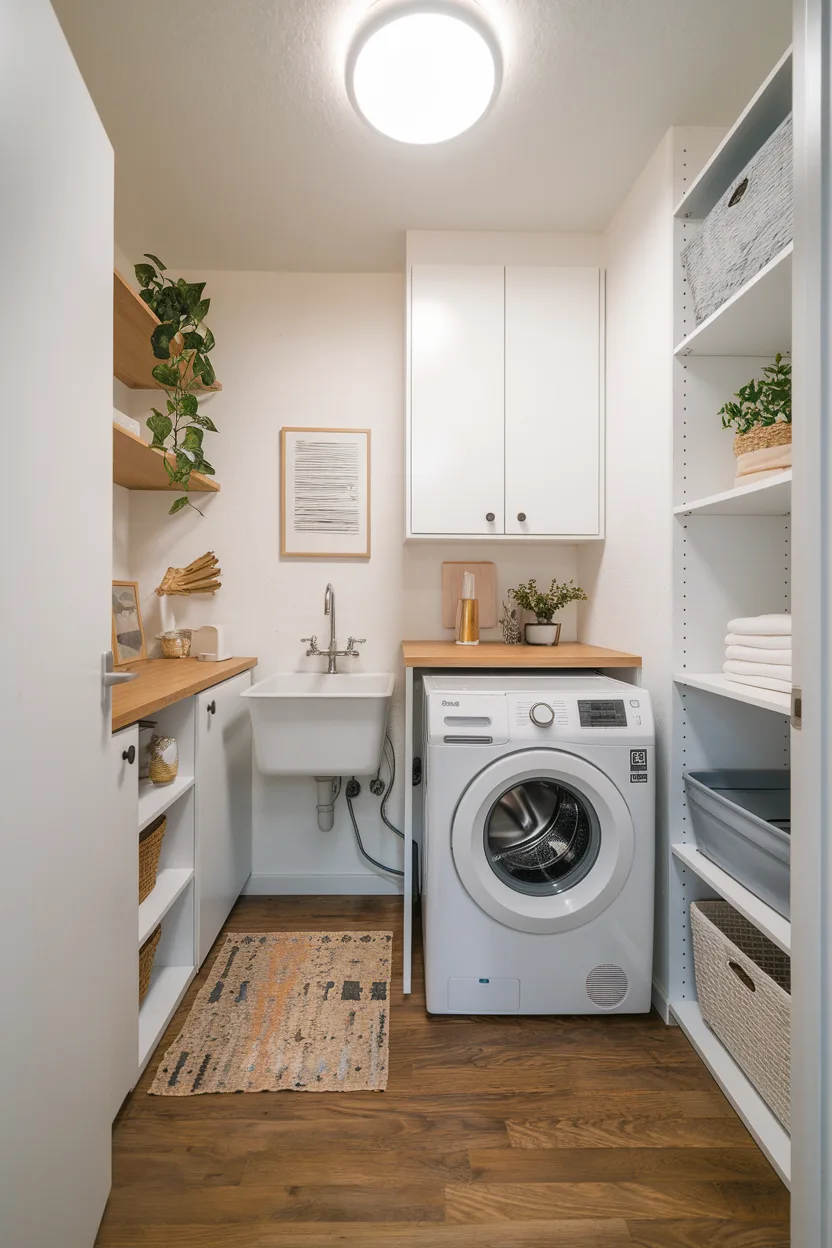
(391, 763)
(381, 865)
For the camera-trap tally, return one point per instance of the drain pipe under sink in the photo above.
(328, 789)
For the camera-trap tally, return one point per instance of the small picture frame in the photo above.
(128, 630)
(324, 493)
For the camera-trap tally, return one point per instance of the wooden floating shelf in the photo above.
(768, 1131)
(753, 908)
(133, 323)
(758, 121)
(716, 682)
(138, 466)
(569, 654)
(772, 497)
(755, 321)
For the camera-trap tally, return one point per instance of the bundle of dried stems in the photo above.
(200, 577)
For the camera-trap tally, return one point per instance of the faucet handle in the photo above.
(352, 642)
(310, 641)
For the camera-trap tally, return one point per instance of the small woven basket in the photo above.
(150, 847)
(761, 437)
(146, 955)
(744, 986)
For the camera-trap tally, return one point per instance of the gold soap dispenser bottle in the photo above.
(467, 614)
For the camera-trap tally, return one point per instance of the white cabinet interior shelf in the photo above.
(764, 918)
(756, 321)
(154, 799)
(168, 985)
(715, 682)
(170, 884)
(765, 1127)
(757, 122)
(772, 497)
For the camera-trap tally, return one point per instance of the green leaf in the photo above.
(193, 341)
(205, 421)
(208, 341)
(178, 505)
(145, 273)
(160, 339)
(207, 372)
(193, 439)
(189, 405)
(206, 468)
(160, 426)
(200, 310)
(170, 469)
(156, 261)
(165, 374)
(183, 454)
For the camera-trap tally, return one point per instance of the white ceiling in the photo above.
(236, 146)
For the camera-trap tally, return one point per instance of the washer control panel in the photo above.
(542, 714)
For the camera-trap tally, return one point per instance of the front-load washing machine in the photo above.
(539, 844)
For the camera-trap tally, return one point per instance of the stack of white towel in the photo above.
(758, 652)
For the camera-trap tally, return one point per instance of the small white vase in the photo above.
(542, 634)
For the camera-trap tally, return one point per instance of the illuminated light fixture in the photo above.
(423, 72)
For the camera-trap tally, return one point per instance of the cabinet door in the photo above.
(554, 470)
(223, 805)
(456, 399)
(122, 939)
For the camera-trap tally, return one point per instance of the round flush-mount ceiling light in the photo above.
(424, 72)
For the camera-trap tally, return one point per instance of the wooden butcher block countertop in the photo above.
(496, 654)
(161, 682)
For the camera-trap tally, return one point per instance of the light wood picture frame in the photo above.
(128, 630)
(324, 493)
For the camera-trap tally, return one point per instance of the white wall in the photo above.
(315, 349)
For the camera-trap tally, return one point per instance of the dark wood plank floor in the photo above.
(493, 1132)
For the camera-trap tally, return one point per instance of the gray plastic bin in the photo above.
(741, 821)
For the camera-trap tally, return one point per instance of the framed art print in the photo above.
(325, 493)
(128, 631)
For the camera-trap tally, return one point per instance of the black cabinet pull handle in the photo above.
(489, 516)
(521, 516)
(212, 708)
(129, 755)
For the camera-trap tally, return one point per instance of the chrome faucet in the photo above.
(332, 654)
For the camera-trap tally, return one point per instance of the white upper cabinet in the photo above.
(456, 400)
(552, 401)
(505, 429)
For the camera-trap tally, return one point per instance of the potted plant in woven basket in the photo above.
(762, 422)
(544, 605)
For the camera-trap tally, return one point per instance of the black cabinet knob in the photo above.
(212, 708)
(489, 516)
(521, 516)
(129, 755)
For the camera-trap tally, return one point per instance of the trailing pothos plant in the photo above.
(766, 400)
(182, 344)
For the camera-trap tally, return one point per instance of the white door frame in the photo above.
(811, 1115)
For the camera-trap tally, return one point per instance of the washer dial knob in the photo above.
(542, 715)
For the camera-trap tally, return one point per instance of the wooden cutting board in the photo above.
(485, 588)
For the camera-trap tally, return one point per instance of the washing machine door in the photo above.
(542, 840)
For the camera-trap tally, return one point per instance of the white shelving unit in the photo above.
(765, 1127)
(772, 497)
(170, 884)
(168, 985)
(731, 558)
(757, 320)
(155, 799)
(767, 920)
(716, 682)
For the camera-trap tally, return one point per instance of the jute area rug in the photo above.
(293, 1011)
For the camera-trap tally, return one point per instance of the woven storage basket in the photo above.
(747, 228)
(146, 955)
(762, 437)
(744, 987)
(150, 847)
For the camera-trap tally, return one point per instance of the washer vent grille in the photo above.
(607, 985)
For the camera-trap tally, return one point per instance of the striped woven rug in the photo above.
(287, 1011)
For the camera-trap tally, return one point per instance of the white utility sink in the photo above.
(313, 724)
